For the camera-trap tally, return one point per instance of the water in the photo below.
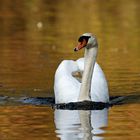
(35, 36)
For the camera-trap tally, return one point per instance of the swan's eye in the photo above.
(81, 38)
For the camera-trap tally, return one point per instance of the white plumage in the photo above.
(67, 88)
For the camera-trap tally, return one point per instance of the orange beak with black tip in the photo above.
(80, 45)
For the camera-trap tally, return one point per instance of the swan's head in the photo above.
(86, 40)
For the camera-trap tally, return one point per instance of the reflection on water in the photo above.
(78, 124)
(35, 36)
(36, 122)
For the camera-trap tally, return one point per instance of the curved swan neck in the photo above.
(90, 59)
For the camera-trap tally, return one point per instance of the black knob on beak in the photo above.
(75, 49)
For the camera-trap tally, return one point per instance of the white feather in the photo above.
(67, 88)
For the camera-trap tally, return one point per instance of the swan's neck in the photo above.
(90, 59)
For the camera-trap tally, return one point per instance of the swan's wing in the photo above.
(66, 87)
(99, 86)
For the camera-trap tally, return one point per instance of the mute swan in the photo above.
(93, 86)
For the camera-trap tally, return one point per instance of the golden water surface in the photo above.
(35, 36)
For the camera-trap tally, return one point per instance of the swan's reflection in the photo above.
(80, 124)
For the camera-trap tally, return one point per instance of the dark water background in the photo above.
(35, 36)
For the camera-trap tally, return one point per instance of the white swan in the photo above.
(93, 86)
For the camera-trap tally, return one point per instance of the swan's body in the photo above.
(94, 85)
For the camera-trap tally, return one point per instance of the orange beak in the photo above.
(80, 45)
